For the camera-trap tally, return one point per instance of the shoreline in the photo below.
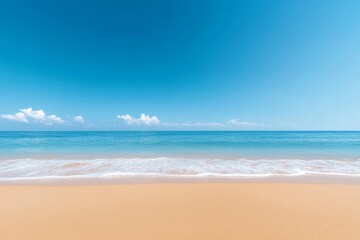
(151, 179)
(181, 211)
(177, 170)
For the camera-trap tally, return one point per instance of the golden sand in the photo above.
(181, 211)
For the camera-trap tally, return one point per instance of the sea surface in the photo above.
(244, 154)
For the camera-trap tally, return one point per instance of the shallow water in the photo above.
(27, 155)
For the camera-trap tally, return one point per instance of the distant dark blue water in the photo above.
(59, 154)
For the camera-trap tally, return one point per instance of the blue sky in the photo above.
(185, 65)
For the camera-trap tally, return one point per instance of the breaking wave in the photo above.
(29, 168)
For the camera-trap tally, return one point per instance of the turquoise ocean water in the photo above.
(32, 155)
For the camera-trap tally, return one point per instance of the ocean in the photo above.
(198, 154)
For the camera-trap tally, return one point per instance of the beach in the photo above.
(180, 211)
(179, 120)
(179, 185)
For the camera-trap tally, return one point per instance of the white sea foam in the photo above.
(173, 167)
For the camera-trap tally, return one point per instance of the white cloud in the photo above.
(27, 115)
(19, 117)
(53, 118)
(195, 124)
(237, 122)
(79, 119)
(143, 120)
(34, 114)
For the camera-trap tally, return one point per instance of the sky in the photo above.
(180, 65)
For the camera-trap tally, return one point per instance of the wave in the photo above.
(30, 168)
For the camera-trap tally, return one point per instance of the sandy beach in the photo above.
(181, 211)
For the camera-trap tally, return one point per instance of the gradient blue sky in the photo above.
(274, 65)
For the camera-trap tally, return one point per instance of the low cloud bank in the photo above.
(146, 120)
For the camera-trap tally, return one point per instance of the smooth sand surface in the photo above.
(181, 211)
